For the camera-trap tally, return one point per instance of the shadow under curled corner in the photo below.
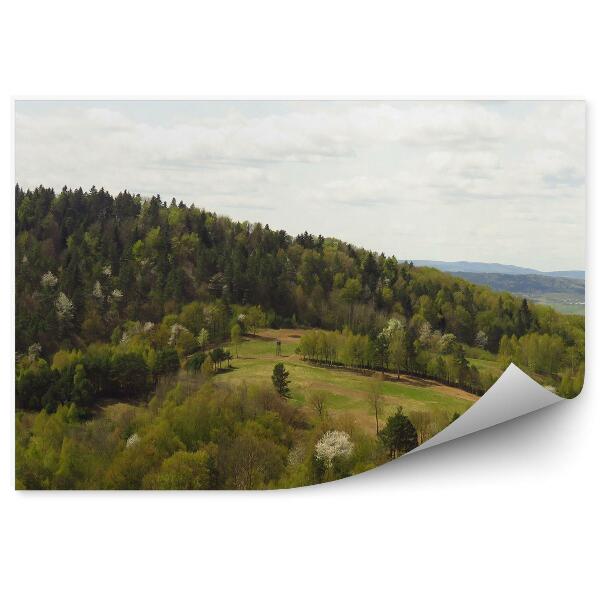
(513, 395)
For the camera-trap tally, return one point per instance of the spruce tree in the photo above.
(281, 379)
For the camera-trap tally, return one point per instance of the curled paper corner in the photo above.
(513, 395)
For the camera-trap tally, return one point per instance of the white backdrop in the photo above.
(509, 512)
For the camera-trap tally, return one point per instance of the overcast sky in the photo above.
(479, 181)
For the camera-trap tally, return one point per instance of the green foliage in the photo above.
(167, 363)
(399, 434)
(182, 471)
(158, 258)
(281, 380)
(215, 438)
(33, 383)
(547, 354)
(195, 361)
(219, 356)
(236, 337)
(82, 388)
(393, 348)
(207, 368)
(113, 294)
(90, 265)
(255, 318)
(129, 374)
(571, 386)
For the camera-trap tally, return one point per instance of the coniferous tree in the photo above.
(281, 379)
(399, 434)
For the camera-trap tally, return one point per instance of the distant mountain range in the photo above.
(564, 290)
(527, 285)
(464, 266)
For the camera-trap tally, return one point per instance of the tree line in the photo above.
(431, 354)
(218, 437)
(89, 263)
(133, 362)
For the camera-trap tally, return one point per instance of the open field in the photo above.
(567, 309)
(346, 390)
(563, 293)
(486, 366)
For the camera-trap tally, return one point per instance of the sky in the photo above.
(492, 181)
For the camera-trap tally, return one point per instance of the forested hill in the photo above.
(465, 266)
(87, 263)
(563, 292)
(528, 284)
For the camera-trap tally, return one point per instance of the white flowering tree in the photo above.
(64, 307)
(395, 333)
(295, 455)
(134, 330)
(448, 343)
(97, 291)
(435, 339)
(481, 339)
(393, 327)
(203, 338)
(113, 300)
(333, 444)
(425, 334)
(176, 330)
(49, 280)
(34, 351)
(132, 440)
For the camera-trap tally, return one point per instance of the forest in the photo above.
(118, 296)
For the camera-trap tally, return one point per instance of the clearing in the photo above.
(346, 390)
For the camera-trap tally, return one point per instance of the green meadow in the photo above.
(346, 391)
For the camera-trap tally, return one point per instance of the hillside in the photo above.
(569, 274)
(147, 354)
(495, 268)
(96, 269)
(565, 294)
(345, 391)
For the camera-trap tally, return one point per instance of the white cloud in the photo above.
(456, 179)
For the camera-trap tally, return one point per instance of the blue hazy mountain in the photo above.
(569, 274)
(464, 266)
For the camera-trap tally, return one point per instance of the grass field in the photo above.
(346, 390)
(487, 366)
(568, 309)
(564, 303)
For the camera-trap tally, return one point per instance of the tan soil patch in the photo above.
(284, 335)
